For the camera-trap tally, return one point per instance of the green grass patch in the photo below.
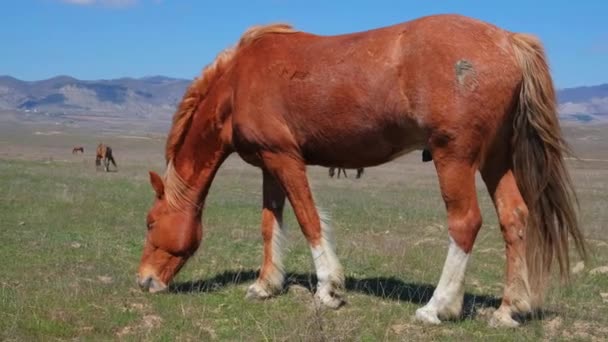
(72, 238)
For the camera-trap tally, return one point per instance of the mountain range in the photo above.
(156, 97)
(150, 97)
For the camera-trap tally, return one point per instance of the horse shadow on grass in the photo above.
(386, 288)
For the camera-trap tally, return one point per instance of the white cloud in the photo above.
(111, 3)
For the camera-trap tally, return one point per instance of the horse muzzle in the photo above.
(151, 284)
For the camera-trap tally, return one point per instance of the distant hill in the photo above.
(156, 98)
(149, 97)
(584, 104)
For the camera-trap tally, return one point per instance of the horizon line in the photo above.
(189, 79)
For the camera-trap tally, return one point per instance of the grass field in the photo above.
(71, 239)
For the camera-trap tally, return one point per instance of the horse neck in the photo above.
(196, 162)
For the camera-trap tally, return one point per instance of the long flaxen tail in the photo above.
(540, 170)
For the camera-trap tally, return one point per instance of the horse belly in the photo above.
(364, 148)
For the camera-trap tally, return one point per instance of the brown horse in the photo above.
(332, 172)
(104, 153)
(478, 97)
(77, 149)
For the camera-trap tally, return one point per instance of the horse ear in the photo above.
(157, 184)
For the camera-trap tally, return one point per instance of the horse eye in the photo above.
(150, 225)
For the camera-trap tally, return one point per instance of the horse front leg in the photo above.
(290, 172)
(272, 274)
(457, 182)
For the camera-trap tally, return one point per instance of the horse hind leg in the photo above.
(272, 273)
(113, 161)
(512, 215)
(291, 174)
(457, 181)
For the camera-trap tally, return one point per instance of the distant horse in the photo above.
(77, 149)
(479, 98)
(104, 153)
(332, 172)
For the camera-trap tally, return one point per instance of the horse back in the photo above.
(392, 86)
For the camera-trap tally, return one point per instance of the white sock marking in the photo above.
(448, 296)
(329, 271)
(273, 281)
(275, 278)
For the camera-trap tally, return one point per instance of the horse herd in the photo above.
(103, 156)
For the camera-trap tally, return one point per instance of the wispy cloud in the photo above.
(111, 3)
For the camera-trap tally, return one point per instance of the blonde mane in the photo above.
(177, 191)
(178, 194)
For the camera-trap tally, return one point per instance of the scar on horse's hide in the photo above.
(466, 75)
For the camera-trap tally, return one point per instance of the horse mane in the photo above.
(256, 32)
(177, 191)
(195, 93)
(200, 87)
(178, 194)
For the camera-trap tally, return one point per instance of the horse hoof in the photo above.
(502, 319)
(256, 291)
(427, 316)
(330, 299)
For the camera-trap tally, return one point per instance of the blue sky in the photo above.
(94, 39)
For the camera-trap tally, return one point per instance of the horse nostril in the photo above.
(145, 283)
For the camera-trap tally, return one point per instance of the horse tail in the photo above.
(538, 163)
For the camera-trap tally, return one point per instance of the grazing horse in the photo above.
(332, 172)
(104, 153)
(77, 149)
(479, 98)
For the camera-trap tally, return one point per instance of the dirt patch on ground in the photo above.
(552, 328)
(578, 267)
(143, 326)
(599, 270)
(585, 331)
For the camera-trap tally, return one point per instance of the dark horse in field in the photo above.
(77, 149)
(479, 98)
(104, 154)
(332, 172)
